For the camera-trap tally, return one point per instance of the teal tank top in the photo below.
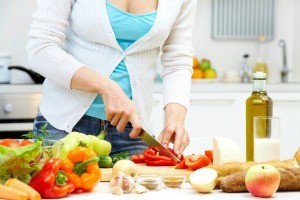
(127, 28)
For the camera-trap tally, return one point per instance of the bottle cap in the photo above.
(259, 75)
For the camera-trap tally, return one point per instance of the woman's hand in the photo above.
(119, 108)
(174, 130)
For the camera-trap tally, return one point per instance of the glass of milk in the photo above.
(266, 138)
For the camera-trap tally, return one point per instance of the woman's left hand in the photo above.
(174, 130)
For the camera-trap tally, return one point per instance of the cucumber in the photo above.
(105, 161)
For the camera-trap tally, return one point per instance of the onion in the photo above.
(126, 166)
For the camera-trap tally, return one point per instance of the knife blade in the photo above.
(152, 142)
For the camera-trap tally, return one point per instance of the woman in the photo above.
(99, 59)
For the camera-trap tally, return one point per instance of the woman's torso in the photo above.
(127, 28)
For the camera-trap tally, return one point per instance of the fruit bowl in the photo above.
(23, 162)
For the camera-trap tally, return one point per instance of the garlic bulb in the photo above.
(124, 181)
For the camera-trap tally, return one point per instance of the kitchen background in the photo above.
(225, 55)
(216, 108)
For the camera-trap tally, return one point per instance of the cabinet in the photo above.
(223, 114)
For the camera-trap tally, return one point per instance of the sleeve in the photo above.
(46, 38)
(177, 57)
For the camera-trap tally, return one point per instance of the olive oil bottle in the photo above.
(258, 104)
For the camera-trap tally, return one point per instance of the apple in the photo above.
(205, 64)
(262, 180)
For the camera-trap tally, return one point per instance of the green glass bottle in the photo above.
(258, 104)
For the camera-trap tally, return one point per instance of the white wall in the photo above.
(227, 55)
(15, 18)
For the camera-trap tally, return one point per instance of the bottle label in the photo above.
(259, 85)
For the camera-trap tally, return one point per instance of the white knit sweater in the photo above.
(69, 34)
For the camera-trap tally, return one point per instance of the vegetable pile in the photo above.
(16, 160)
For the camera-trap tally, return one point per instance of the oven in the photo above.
(18, 108)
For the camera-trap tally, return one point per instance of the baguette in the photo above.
(289, 181)
(233, 167)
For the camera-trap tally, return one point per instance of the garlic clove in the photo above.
(139, 189)
(123, 181)
(117, 190)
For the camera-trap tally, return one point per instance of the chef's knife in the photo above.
(152, 142)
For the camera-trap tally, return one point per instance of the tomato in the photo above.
(209, 154)
(10, 143)
(25, 142)
(138, 158)
(197, 161)
(15, 143)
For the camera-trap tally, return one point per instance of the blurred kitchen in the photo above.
(225, 54)
(230, 37)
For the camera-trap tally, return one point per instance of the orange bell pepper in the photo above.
(84, 171)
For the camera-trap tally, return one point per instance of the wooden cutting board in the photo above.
(106, 173)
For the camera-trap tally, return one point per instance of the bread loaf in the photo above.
(289, 181)
(233, 167)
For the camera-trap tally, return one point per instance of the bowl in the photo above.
(25, 161)
(151, 182)
(173, 180)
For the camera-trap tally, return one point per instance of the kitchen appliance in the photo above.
(5, 75)
(152, 142)
(37, 78)
(18, 108)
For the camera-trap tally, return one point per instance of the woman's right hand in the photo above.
(120, 109)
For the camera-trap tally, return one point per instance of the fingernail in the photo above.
(165, 145)
(177, 152)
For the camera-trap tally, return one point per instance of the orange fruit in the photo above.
(198, 73)
(195, 62)
(210, 73)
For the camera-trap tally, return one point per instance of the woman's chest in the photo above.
(90, 21)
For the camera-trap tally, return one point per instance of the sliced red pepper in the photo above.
(51, 181)
(160, 162)
(209, 154)
(181, 165)
(151, 154)
(197, 161)
(153, 158)
(138, 158)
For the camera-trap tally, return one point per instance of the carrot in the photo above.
(16, 184)
(11, 193)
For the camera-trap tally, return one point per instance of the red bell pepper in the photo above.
(138, 158)
(51, 181)
(153, 158)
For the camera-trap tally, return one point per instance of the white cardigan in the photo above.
(69, 34)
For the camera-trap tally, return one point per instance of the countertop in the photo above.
(197, 86)
(185, 192)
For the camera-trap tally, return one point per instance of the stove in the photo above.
(18, 107)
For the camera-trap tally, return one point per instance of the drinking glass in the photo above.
(266, 138)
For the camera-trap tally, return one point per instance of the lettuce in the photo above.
(19, 162)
